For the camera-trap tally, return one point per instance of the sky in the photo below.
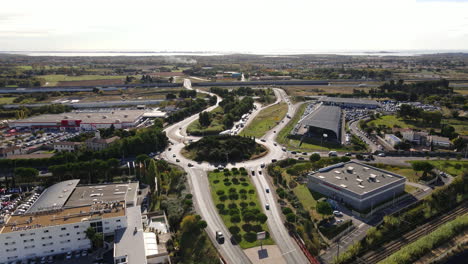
(233, 26)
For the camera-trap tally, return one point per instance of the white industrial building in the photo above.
(83, 120)
(56, 222)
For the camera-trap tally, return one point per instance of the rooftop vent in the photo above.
(321, 177)
(344, 186)
(350, 169)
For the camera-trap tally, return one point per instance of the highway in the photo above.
(198, 180)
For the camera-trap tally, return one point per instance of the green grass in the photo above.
(53, 79)
(283, 134)
(265, 120)
(215, 127)
(408, 172)
(220, 182)
(391, 121)
(452, 167)
(460, 125)
(410, 188)
(6, 100)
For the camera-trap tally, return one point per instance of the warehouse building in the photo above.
(356, 184)
(325, 120)
(84, 120)
(350, 102)
(57, 221)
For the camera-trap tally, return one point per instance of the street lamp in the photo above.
(323, 136)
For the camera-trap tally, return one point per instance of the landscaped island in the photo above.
(224, 148)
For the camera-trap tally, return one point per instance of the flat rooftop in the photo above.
(54, 197)
(89, 194)
(130, 241)
(122, 116)
(325, 116)
(62, 217)
(356, 177)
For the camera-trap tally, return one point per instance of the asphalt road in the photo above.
(202, 195)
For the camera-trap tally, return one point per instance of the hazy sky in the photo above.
(217, 25)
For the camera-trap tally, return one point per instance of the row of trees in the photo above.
(430, 118)
(192, 107)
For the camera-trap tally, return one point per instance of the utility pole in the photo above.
(338, 249)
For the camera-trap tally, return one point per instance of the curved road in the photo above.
(198, 181)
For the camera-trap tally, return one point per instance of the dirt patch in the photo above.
(92, 82)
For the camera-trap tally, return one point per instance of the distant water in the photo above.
(269, 53)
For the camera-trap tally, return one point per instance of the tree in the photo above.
(97, 239)
(291, 217)
(171, 96)
(314, 157)
(153, 175)
(423, 166)
(324, 208)
(26, 175)
(261, 218)
(204, 119)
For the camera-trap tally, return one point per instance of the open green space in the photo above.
(224, 148)
(53, 79)
(216, 126)
(239, 206)
(282, 137)
(6, 100)
(408, 172)
(390, 121)
(265, 120)
(452, 167)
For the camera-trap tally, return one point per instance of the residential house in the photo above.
(67, 146)
(392, 139)
(97, 143)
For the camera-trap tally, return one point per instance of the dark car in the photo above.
(219, 237)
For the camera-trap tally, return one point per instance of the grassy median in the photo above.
(265, 120)
(238, 205)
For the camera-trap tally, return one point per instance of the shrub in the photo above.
(220, 206)
(287, 210)
(227, 173)
(242, 191)
(220, 192)
(243, 204)
(216, 181)
(252, 204)
(235, 218)
(247, 227)
(242, 179)
(226, 180)
(188, 196)
(291, 217)
(232, 190)
(235, 181)
(251, 191)
(234, 229)
(261, 218)
(250, 237)
(233, 211)
(234, 196)
(257, 228)
(216, 171)
(248, 216)
(227, 183)
(223, 198)
(245, 184)
(232, 205)
(243, 197)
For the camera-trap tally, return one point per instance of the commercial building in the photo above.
(56, 222)
(416, 137)
(67, 146)
(439, 141)
(6, 152)
(97, 143)
(325, 120)
(350, 102)
(84, 120)
(356, 184)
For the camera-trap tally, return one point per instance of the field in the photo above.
(53, 80)
(408, 172)
(265, 120)
(308, 199)
(234, 194)
(454, 168)
(215, 127)
(321, 89)
(6, 100)
(460, 125)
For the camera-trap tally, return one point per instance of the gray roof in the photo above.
(88, 194)
(110, 116)
(128, 242)
(326, 117)
(54, 197)
(339, 175)
(349, 100)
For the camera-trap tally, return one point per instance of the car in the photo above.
(284, 149)
(293, 152)
(274, 160)
(50, 259)
(177, 160)
(381, 154)
(267, 206)
(262, 140)
(84, 253)
(267, 190)
(253, 173)
(69, 255)
(300, 158)
(332, 154)
(304, 153)
(367, 159)
(169, 149)
(275, 144)
(260, 172)
(339, 221)
(219, 237)
(274, 131)
(220, 167)
(190, 165)
(337, 213)
(262, 165)
(173, 155)
(77, 254)
(347, 154)
(43, 260)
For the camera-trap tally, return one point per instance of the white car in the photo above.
(69, 255)
(337, 213)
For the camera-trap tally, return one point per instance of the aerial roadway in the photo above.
(198, 180)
